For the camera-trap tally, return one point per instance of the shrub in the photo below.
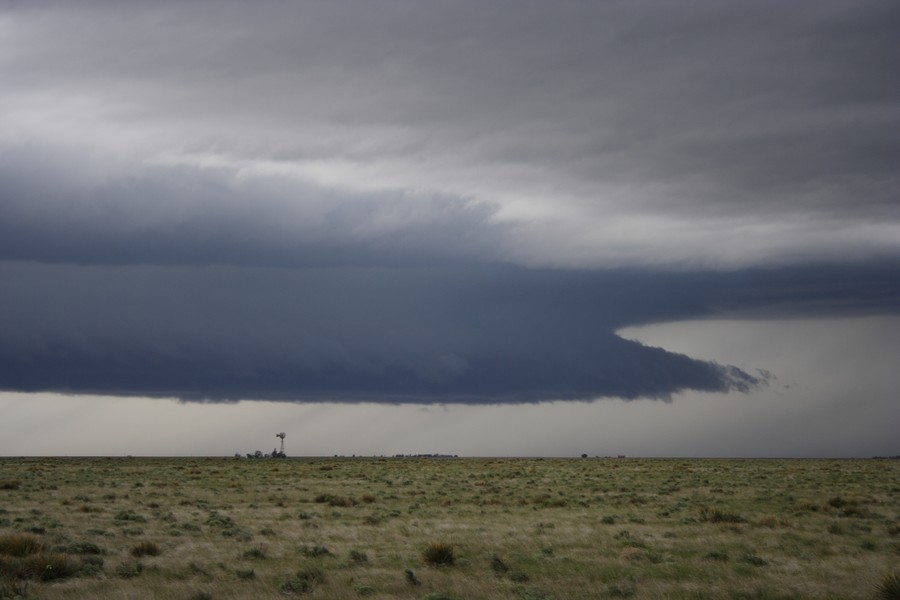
(365, 590)
(258, 551)
(83, 548)
(838, 502)
(373, 519)
(333, 500)
(311, 575)
(358, 556)
(718, 516)
(127, 515)
(129, 570)
(217, 520)
(145, 549)
(888, 588)
(756, 561)
(411, 578)
(439, 554)
(91, 565)
(303, 582)
(314, 551)
(245, 574)
(498, 566)
(10, 484)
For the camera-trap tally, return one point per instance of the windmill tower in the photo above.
(281, 435)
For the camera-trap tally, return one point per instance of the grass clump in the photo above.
(91, 565)
(145, 549)
(312, 575)
(438, 554)
(50, 567)
(303, 582)
(756, 561)
(411, 578)
(888, 588)
(719, 516)
(83, 548)
(17, 544)
(498, 566)
(259, 551)
(13, 589)
(359, 556)
(531, 593)
(10, 484)
(332, 500)
(314, 551)
(129, 570)
(219, 520)
(129, 516)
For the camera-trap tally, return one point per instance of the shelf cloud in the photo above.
(445, 203)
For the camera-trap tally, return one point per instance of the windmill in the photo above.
(281, 435)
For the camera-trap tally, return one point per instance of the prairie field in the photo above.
(448, 528)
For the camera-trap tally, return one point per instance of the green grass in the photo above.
(512, 528)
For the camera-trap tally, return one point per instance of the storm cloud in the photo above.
(460, 202)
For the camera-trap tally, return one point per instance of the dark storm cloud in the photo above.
(451, 202)
(431, 334)
(426, 335)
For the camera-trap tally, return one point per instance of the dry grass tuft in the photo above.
(439, 554)
(888, 588)
(20, 544)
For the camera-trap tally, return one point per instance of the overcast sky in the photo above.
(497, 226)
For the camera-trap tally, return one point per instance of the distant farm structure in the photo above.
(275, 453)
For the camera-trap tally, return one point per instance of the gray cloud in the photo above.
(487, 334)
(447, 203)
(593, 127)
(180, 216)
(398, 335)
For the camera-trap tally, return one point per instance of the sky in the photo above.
(508, 228)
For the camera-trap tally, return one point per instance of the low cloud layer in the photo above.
(397, 335)
(489, 334)
(346, 201)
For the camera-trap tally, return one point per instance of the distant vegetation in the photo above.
(418, 528)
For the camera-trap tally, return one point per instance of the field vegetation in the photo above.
(444, 528)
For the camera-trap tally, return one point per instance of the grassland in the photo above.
(519, 529)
